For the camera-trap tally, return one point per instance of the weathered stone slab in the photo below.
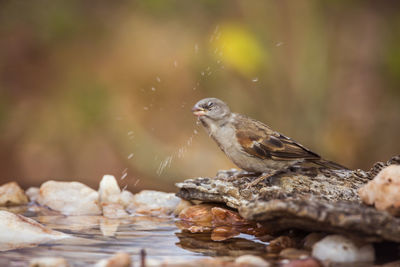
(315, 199)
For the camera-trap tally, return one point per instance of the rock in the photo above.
(151, 202)
(308, 262)
(19, 231)
(33, 193)
(280, 243)
(338, 217)
(311, 239)
(196, 218)
(12, 195)
(109, 191)
(251, 260)
(390, 264)
(183, 204)
(126, 198)
(48, 262)
(337, 248)
(120, 259)
(383, 190)
(311, 199)
(222, 222)
(112, 200)
(69, 198)
(294, 254)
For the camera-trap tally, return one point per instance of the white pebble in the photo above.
(337, 248)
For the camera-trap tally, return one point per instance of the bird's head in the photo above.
(211, 108)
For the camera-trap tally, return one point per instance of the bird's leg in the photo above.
(231, 175)
(267, 175)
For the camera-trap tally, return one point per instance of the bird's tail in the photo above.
(330, 164)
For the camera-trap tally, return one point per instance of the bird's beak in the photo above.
(198, 111)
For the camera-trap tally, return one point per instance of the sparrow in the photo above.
(252, 145)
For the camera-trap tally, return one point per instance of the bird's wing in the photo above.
(260, 141)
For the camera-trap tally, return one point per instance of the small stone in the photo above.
(250, 260)
(120, 259)
(69, 198)
(311, 239)
(293, 253)
(109, 191)
(33, 193)
(308, 262)
(12, 195)
(113, 201)
(126, 198)
(19, 231)
(198, 215)
(280, 243)
(337, 248)
(383, 190)
(48, 262)
(391, 264)
(183, 204)
(154, 203)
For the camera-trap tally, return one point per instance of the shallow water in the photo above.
(97, 238)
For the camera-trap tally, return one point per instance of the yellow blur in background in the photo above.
(94, 88)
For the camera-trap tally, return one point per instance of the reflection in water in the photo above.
(202, 243)
(97, 238)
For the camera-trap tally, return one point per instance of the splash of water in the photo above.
(164, 164)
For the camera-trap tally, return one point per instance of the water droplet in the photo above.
(175, 63)
(194, 88)
(255, 79)
(196, 48)
(158, 79)
(195, 131)
(153, 89)
(118, 118)
(124, 176)
(130, 132)
(146, 108)
(165, 163)
(209, 73)
(130, 156)
(279, 44)
(202, 73)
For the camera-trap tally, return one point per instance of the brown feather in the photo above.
(260, 141)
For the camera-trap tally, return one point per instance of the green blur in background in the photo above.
(89, 88)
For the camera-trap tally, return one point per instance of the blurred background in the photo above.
(89, 88)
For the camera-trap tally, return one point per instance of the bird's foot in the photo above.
(233, 174)
(265, 176)
(261, 178)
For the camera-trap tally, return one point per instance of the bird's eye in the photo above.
(210, 104)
